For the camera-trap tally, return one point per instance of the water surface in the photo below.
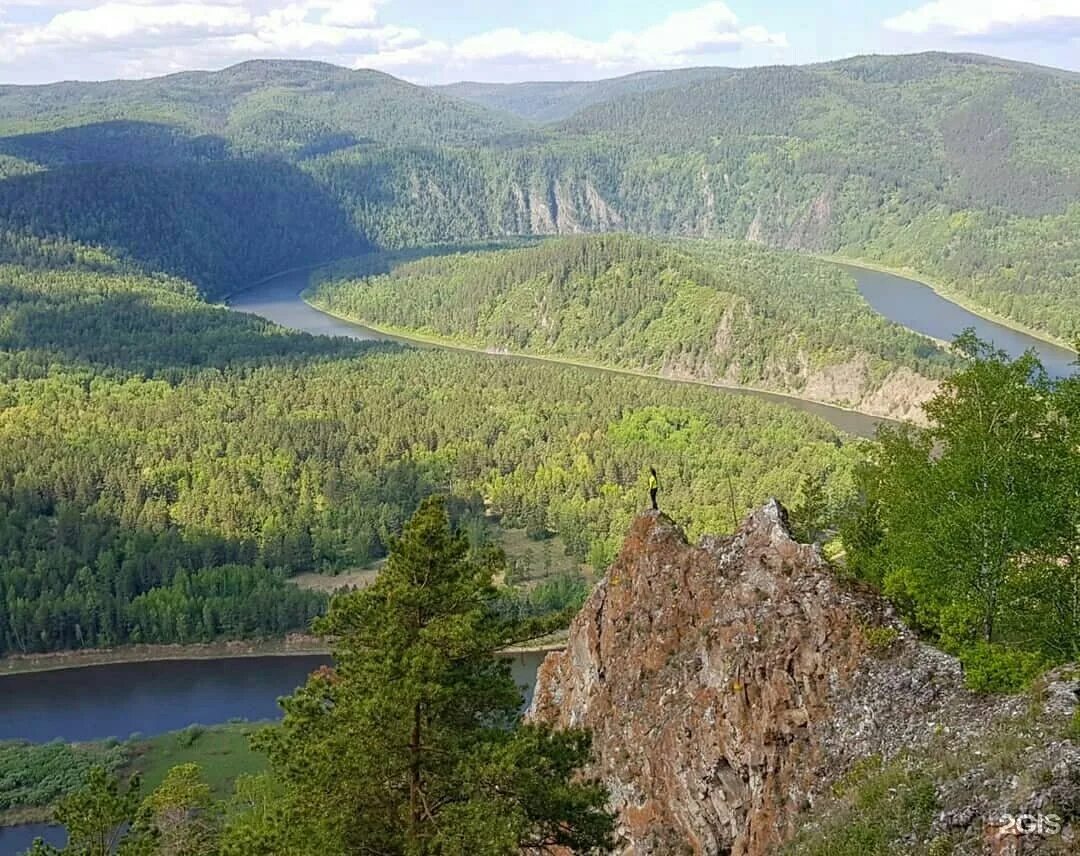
(96, 702)
(278, 300)
(17, 839)
(920, 308)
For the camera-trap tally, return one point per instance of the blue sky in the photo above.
(440, 42)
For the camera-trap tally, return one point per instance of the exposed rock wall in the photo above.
(726, 685)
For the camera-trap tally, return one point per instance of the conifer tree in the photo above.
(408, 744)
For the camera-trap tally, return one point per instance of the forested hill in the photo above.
(963, 168)
(550, 101)
(725, 312)
(166, 465)
(294, 107)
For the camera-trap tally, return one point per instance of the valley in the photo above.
(956, 166)
(286, 325)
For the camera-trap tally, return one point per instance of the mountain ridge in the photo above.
(965, 169)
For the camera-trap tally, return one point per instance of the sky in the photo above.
(428, 41)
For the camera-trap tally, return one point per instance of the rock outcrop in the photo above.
(728, 685)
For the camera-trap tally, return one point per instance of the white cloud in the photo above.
(137, 38)
(991, 18)
(350, 13)
(682, 36)
(113, 22)
(424, 54)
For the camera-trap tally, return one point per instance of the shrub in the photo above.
(38, 774)
(876, 805)
(1073, 732)
(879, 639)
(189, 736)
(993, 669)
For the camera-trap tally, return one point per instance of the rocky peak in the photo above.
(728, 684)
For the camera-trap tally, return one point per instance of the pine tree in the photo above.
(408, 744)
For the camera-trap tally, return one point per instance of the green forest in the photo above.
(167, 465)
(964, 169)
(715, 311)
(411, 743)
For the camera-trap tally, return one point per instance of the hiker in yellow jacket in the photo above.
(654, 486)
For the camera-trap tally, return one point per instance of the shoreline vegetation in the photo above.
(946, 293)
(941, 289)
(293, 645)
(222, 751)
(406, 336)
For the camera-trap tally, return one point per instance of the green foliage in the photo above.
(165, 466)
(547, 101)
(189, 736)
(815, 511)
(406, 746)
(118, 323)
(221, 225)
(98, 815)
(993, 669)
(562, 594)
(878, 807)
(106, 817)
(37, 774)
(879, 639)
(261, 106)
(714, 311)
(1073, 732)
(963, 168)
(971, 523)
(179, 816)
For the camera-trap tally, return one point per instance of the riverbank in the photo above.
(410, 337)
(293, 645)
(223, 753)
(946, 293)
(25, 814)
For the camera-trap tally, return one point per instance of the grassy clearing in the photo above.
(330, 583)
(223, 753)
(532, 560)
(34, 777)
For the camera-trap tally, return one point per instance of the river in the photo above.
(278, 299)
(96, 702)
(920, 308)
(116, 700)
(905, 301)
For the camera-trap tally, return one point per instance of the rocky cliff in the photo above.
(735, 690)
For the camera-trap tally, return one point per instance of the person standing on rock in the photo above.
(654, 486)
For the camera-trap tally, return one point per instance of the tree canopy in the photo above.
(972, 523)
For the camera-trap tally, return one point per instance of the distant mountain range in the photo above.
(964, 168)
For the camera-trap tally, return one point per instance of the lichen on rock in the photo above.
(729, 685)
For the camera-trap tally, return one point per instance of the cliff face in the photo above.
(728, 686)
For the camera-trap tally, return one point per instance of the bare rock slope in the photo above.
(729, 685)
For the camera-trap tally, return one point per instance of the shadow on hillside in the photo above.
(226, 588)
(148, 334)
(114, 142)
(379, 262)
(220, 224)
